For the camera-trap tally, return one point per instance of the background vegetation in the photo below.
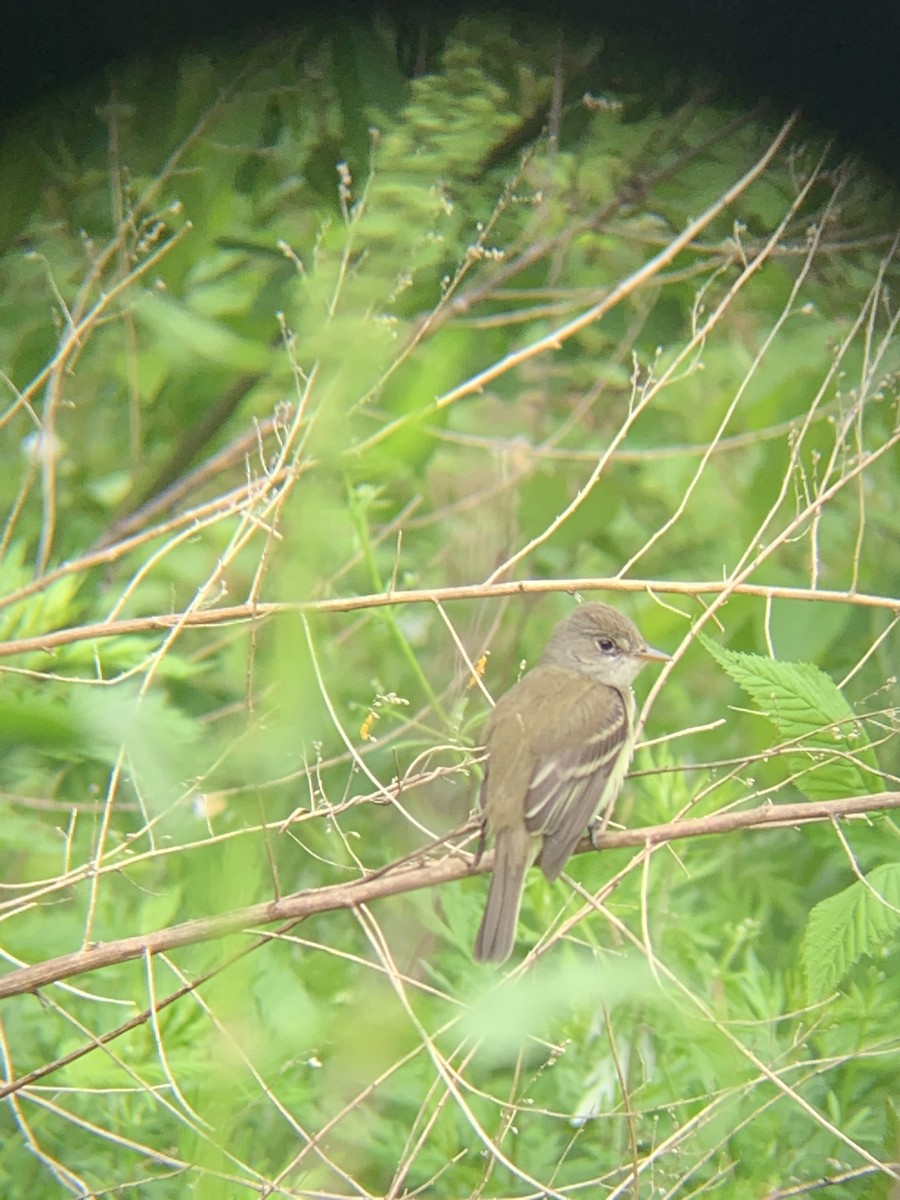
(329, 367)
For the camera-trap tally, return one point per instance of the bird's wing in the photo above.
(579, 761)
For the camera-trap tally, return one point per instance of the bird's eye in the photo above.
(606, 644)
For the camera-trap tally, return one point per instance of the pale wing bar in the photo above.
(569, 788)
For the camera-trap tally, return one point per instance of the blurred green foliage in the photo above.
(236, 293)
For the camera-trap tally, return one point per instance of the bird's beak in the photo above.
(651, 655)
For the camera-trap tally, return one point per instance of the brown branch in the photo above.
(210, 617)
(402, 877)
(158, 499)
(555, 338)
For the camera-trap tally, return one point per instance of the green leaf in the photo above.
(859, 920)
(40, 723)
(48, 608)
(190, 336)
(834, 757)
(158, 736)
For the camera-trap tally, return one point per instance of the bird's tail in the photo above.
(513, 854)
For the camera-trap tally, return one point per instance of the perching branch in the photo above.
(404, 876)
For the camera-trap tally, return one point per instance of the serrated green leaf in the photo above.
(157, 736)
(834, 758)
(51, 606)
(859, 920)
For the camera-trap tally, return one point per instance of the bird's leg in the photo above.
(599, 825)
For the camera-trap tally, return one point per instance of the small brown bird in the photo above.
(559, 744)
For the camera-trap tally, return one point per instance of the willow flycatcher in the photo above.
(559, 744)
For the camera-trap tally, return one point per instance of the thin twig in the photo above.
(239, 613)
